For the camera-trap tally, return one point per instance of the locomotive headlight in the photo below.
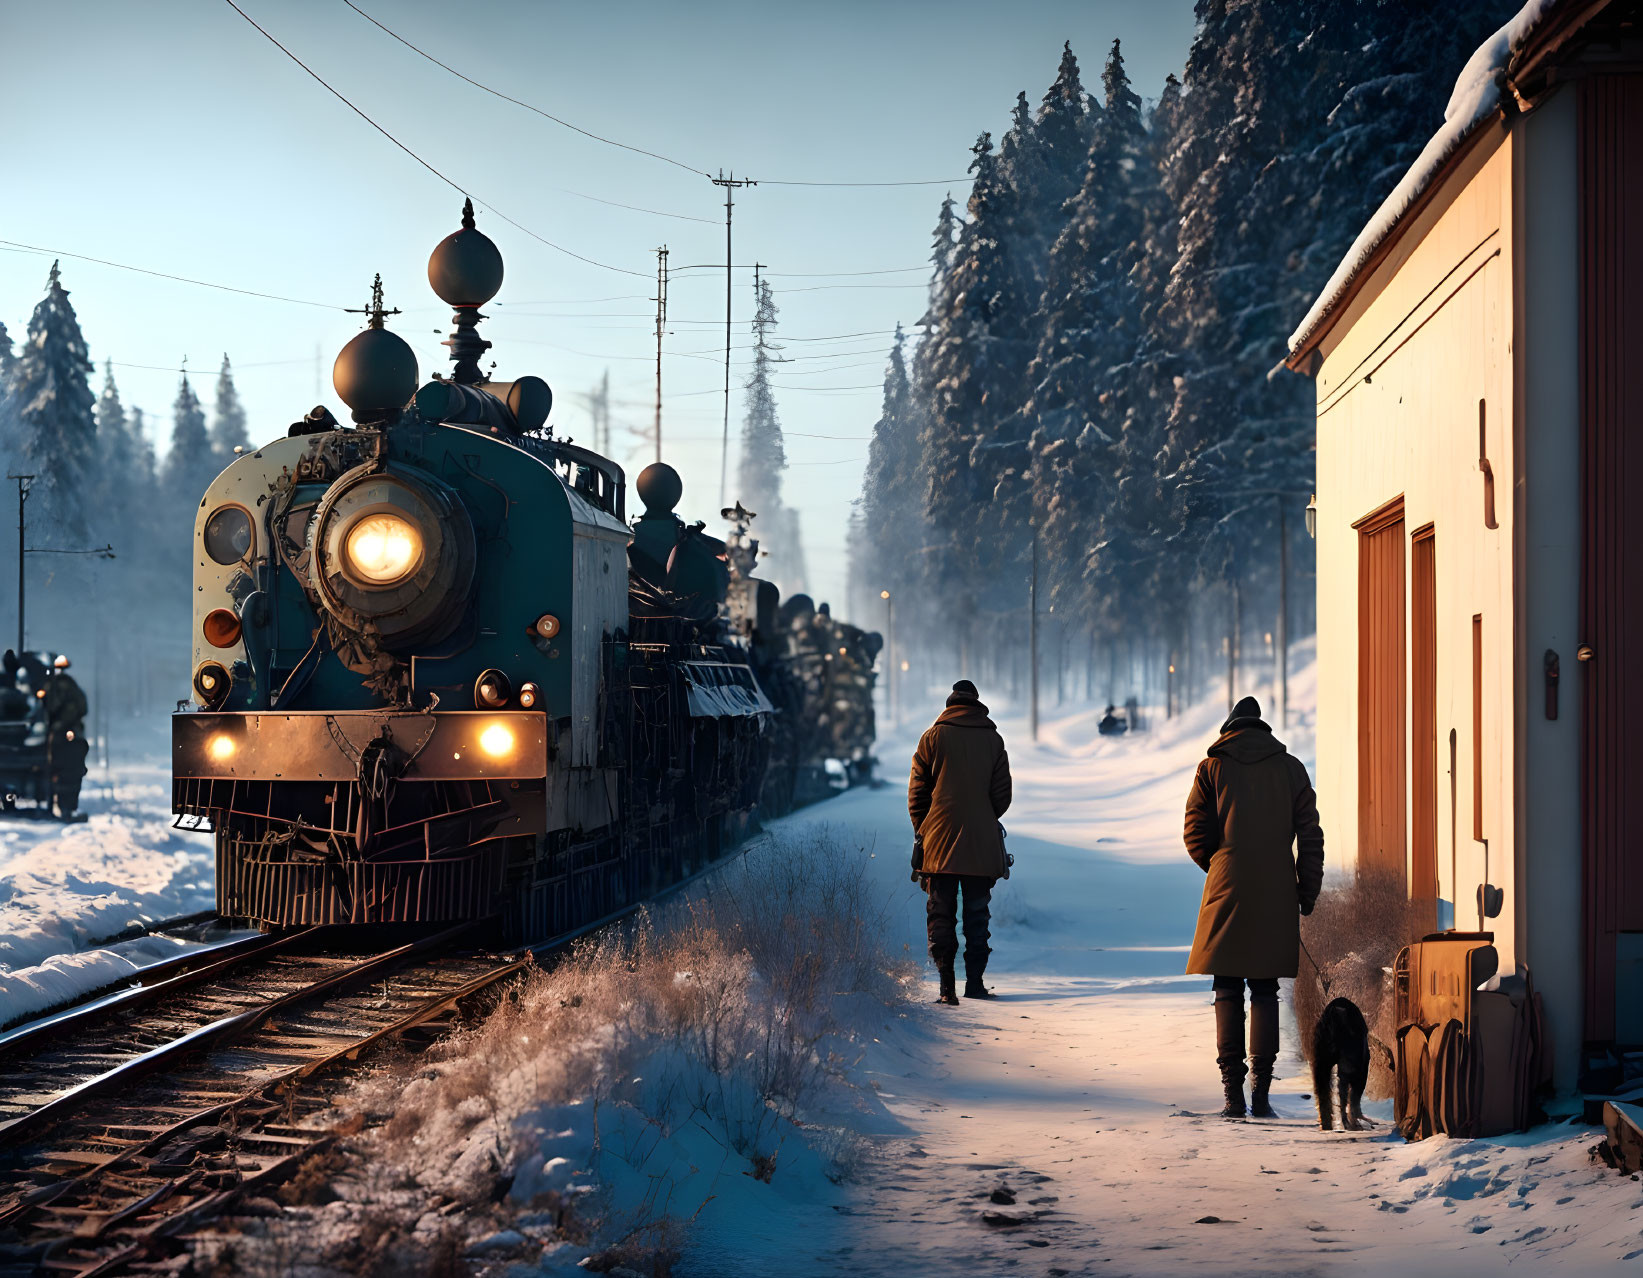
(529, 695)
(220, 747)
(497, 740)
(383, 548)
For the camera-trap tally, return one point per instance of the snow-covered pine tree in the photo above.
(228, 428)
(190, 464)
(892, 510)
(8, 362)
(1090, 335)
(51, 410)
(1289, 107)
(764, 453)
(117, 464)
(144, 471)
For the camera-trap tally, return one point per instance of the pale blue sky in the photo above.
(170, 135)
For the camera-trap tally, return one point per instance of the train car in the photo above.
(432, 683)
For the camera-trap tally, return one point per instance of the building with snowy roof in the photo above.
(1479, 366)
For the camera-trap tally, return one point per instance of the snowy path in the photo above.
(1085, 1091)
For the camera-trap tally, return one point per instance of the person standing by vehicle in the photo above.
(66, 744)
(958, 789)
(1251, 803)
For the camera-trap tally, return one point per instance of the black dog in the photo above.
(1340, 1043)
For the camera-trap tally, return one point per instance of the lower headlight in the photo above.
(497, 740)
(221, 747)
(383, 548)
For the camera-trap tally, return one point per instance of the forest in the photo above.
(1094, 402)
(106, 540)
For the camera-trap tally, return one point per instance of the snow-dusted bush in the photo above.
(1353, 934)
(611, 1094)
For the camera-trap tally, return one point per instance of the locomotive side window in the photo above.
(228, 535)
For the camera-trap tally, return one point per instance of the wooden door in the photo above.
(1423, 726)
(1610, 127)
(1383, 769)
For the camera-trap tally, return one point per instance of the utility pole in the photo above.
(1032, 638)
(602, 430)
(889, 654)
(24, 483)
(661, 323)
(730, 184)
(1282, 633)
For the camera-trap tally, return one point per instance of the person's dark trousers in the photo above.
(941, 915)
(1263, 1035)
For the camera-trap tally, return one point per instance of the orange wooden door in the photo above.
(1423, 726)
(1382, 695)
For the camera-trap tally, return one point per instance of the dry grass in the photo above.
(1354, 934)
(734, 1006)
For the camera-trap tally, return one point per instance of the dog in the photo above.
(1340, 1044)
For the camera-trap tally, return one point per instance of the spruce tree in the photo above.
(8, 359)
(191, 464)
(51, 410)
(228, 427)
(764, 453)
(118, 491)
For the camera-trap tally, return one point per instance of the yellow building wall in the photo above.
(1399, 387)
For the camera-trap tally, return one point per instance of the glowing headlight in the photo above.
(383, 549)
(496, 740)
(221, 747)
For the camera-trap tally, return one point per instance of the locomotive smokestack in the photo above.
(465, 270)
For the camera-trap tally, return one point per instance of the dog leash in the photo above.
(1322, 979)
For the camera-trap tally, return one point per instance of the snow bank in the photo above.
(690, 1078)
(1476, 99)
(64, 978)
(64, 888)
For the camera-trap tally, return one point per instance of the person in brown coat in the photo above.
(959, 787)
(1251, 804)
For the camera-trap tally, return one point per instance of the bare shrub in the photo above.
(731, 1011)
(1353, 935)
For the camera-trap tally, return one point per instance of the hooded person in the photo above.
(1251, 806)
(958, 788)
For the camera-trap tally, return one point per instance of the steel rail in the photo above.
(16, 1129)
(173, 975)
(250, 1113)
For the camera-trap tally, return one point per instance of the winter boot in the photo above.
(949, 985)
(1229, 1053)
(974, 970)
(1263, 1050)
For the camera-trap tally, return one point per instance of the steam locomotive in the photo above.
(439, 677)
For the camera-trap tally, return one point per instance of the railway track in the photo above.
(125, 1124)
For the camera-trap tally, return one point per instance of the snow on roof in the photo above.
(1476, 99)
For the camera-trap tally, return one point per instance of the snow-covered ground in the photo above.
(66, 888)
(1086, 1093)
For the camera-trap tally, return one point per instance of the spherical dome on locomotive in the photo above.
(375, 374)
(465, 268)
(659, 487)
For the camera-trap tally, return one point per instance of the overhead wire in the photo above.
(165, 275)
(450, 182)
(637, 150)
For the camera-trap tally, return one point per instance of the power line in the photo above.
(924, 182)
(181, 279)
(688, 168)
(810, 275)
(441, 176)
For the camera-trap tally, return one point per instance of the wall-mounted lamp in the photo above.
(1312, 516)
